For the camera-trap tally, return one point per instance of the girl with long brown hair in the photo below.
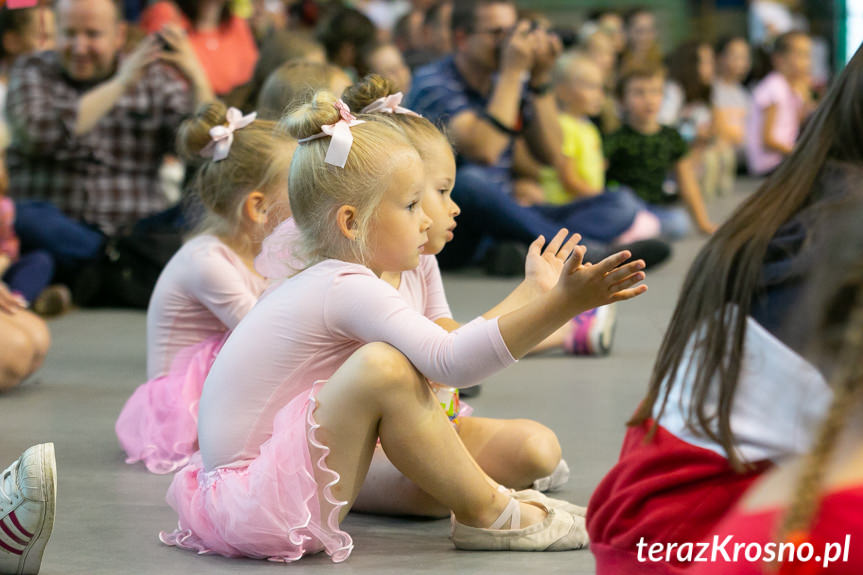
(813, 502)
(730, 392)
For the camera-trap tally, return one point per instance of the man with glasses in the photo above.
(495, 89)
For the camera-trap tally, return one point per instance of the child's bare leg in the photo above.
(378, 392)
(386, 491)
(38, 333)
(514, 452)
(17, 355)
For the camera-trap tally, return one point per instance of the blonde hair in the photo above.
(292, 83)
(317, 190)
(259, 159)
(420, 131)
(563, 70)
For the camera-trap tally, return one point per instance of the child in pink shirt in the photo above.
(780, 103)
(311, 378)
(209, 284)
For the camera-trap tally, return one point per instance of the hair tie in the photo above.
(223, 136)
(340, 134)
(389, 105)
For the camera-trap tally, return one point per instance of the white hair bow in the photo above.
(340, 133)
(223, 136)
(389, 105)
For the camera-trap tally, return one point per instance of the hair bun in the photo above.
(194, 133)
(372, 87)
(307, 118)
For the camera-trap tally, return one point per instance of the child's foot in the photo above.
(555, 481)
(53, 301)
(28, 491)
(557, 531)
(592, 332)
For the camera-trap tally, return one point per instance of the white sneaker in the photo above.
(555, 481)
(28, 491)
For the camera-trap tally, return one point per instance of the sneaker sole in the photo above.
(32, 556)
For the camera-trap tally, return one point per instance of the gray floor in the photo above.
(109, 513)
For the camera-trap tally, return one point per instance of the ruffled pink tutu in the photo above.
(273, 508)
(159, 423)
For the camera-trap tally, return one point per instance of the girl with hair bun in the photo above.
(334, 359)
(516, 453)
(210, 283)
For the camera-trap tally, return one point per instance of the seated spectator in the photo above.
(643, 154)
(642, 49)
(344, 36)
(296, 81)
(580, 171)
(780, 103)
(600, 46)
(90, 129)
(22, 31)
(610, 23)
(223, 42)
(477, 94)
(731, 101)
(692, 73)
(385, 60)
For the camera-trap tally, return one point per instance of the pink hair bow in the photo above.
(340, 132)
(223, 136)
(389, 105)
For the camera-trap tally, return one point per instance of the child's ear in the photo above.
(346, 217)
(255, 207)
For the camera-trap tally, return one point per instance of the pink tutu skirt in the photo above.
(278, 507)
(159, 423)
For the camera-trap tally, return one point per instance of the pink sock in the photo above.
(644, 226)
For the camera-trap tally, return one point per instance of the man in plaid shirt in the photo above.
(90, 129)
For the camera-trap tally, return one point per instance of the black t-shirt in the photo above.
(642, 162)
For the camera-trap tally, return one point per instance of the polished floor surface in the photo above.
(109, 513)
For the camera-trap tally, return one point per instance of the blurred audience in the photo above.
(731, 100)
(385, 60)
(296, 81)
(653, 159)
(90, 129)
(222, 42)
(780, 104)
(344, 35)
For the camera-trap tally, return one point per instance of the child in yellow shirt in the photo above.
(580, 171)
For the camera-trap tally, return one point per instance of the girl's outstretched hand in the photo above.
(608, 281)
(542, 267)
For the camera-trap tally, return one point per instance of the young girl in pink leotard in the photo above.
(210, 284)
(334, 358)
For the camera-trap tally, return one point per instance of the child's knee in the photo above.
(382, 365)
(17, 358)
(541, 451)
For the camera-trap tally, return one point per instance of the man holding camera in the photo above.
(90, 129)
(494, 89)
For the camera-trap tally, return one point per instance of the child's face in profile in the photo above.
(397, 234)
(642, 98)
(706, 65)
(437, 202)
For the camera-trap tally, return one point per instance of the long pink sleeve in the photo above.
(303, 331)
(422, 288)
(204, 290)
(459, 358)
